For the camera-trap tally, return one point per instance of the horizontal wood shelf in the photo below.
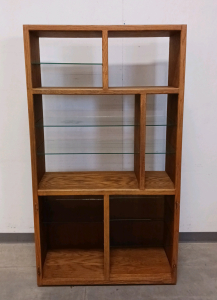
(85, 266)
(148, 264)
(70, 183)
(109, 91)
(74, 264)
(96, 30)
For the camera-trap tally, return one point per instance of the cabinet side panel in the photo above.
(33, 154)
(174, 60)
(179, 149)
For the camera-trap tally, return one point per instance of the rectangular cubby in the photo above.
(63, 65)
(138, 61)
(72, 235)
(87, 133)
(161, 134)
(105, 110)
(140, 237)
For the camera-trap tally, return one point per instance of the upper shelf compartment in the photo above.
(68, 62)
(102, 57)
(138, 61)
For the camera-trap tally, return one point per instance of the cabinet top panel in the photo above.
(88, 31)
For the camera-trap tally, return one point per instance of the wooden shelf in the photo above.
(71, 183)
(63, 182)
(96, 30)
(158, 181)
(65, 266)
(110, 91)
(147, 265)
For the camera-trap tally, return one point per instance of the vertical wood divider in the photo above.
(32, 80)
(106, 237)
(105, 59)
(139, 139)
(178, 54)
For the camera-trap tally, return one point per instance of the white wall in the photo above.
(199, 162)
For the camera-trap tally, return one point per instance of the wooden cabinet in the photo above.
(114, 226)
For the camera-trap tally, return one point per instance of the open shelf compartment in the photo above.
(140, 238)
(72, 234)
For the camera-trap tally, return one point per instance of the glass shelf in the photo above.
(87, 121)
(158, 121)
(64, 119)
(65, 63)
(67, 147)
(158, 147)
(56, 147)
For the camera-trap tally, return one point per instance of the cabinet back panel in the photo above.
(126, 207)
(136, 233)
(75, 235)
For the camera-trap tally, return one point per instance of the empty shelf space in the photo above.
(91, 146)
(148, 265)
(158, 181)
(57, 182)
(73, 264)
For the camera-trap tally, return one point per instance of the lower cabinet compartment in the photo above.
(72, 236)
(140, 240)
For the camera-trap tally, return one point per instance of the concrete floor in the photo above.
(197, 278)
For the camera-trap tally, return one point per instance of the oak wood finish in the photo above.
(175, 233)
(139, 142)
(136, 233)
(37, 165)
(106, 238)
(105, 59)
(140, 207)
(74, 264)
(95, 183)
(126, 264)
(130, 234)
(110, 91)
(95, 30)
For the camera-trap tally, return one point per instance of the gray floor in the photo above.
(197, 278)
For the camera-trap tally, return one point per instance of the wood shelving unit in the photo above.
(107, 227)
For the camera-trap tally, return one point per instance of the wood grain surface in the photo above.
(140, 263)
(96, 183)
(110, 91)
(74, 264)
